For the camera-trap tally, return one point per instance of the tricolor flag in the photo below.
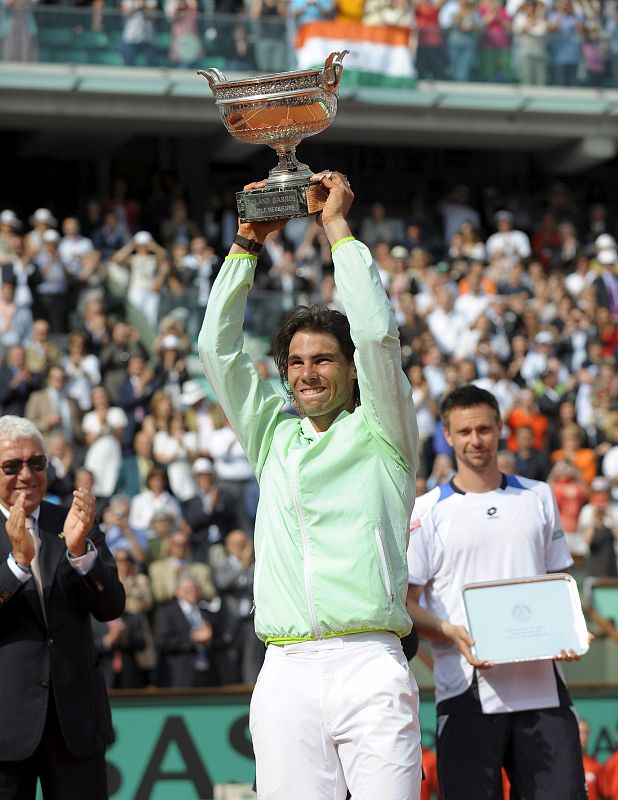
(380, 55)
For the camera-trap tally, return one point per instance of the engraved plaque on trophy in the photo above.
(280, 111)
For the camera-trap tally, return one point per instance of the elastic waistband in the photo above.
(337, 643)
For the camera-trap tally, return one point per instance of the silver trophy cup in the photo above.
(280, 110)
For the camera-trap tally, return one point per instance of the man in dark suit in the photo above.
(134, 396)
(55, 571)
(241, 658)
(184, 635)
(210, 514)
(605, 287)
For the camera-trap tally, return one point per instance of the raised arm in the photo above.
(250, 404)
(386, 394)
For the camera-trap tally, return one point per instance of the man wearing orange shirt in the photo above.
(526, 412)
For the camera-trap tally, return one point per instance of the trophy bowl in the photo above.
(280, 111)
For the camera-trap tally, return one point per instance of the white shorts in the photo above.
(333, 714)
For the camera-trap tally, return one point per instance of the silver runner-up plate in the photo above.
(525, 619)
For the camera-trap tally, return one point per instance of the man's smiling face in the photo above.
(320, 377)
(27, 482)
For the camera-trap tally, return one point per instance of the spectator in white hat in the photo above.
(604, 242)
(598, 524)
(194, 398)
(22, 272)
(606, 285)
(171, 369)
(9, 225)
(210, 513)
(42, 220)
(145, 262)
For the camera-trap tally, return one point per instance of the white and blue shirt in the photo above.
(459, 537)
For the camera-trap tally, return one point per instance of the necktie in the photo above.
(34, 564)
(195, 621)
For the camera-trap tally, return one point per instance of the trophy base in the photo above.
(272, 203)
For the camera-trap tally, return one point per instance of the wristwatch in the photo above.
(250, 245)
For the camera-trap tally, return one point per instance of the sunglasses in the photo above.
(15, 465)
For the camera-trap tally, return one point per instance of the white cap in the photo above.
(192, 392)
(142, 237)
(605, 242)
(399, 251)
(477, 253)
(9, 217)
(607, 256)
(544, 337)
(600, 484)
(203, 466)
(116, 418)
(51, 236)
(170, 342)
(43, 215)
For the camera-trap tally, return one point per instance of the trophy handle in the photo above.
(213, 76)
(331, 74)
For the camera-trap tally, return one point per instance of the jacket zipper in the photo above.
(305, 538)
(388, 584)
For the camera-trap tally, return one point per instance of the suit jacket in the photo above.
(39, 409)
(208, 527)
(13, 400)
(37, 657)
(135, 408)
(602, 293)
(176, 650)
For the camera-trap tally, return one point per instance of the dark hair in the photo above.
(153, 472)
(321, 319)
(466, 397)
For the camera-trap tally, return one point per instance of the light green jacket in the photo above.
(332, 523)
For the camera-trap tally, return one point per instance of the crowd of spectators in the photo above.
(535, 42)
(518, 294)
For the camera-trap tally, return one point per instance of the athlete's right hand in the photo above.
(259, 230)
(460, 636)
